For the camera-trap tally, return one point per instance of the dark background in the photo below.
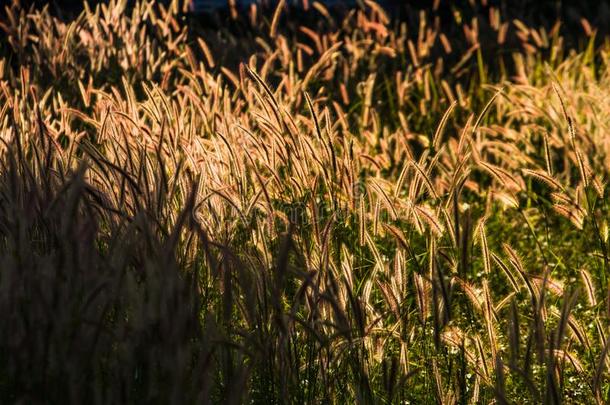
(531, 12)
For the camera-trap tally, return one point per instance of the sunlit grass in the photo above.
(345, 211)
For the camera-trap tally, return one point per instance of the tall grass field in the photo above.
(311, 205)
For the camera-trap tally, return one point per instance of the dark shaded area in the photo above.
(449, 14)
(529, 11)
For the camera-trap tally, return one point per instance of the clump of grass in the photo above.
(336, 215)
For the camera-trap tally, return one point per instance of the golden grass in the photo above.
(329, 220)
